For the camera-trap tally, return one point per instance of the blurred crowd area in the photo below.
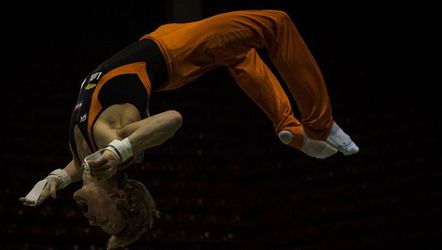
(225, 181)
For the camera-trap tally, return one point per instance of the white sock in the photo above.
(340, 140)
(310, 147)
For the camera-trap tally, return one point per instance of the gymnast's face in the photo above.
(100, 208)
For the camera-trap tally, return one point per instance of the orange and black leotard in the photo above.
(176, 54)
(127, 77)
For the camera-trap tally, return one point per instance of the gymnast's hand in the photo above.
(49, 190)
(47, 187)
(104, 166)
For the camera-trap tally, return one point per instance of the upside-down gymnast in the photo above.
(111, 125)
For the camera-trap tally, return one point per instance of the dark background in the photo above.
(225, 181)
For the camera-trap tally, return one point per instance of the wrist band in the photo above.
(123, 149)
(61, 175)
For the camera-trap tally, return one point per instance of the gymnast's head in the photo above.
(122, 207)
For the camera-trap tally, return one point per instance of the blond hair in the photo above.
(138, 209)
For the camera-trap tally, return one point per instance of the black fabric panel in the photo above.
(124, 89)
(146, 51)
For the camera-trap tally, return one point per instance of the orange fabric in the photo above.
(230, 39)
(138, 68)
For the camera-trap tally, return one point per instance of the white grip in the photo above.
(91, 157)
(35, 192)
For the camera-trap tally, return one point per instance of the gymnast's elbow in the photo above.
(174, 120)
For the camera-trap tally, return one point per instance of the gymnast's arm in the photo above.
(152, 131)
(73, 169)
(135, 138)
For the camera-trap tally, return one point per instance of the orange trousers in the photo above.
(231, 39)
